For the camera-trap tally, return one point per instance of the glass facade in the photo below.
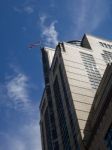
(43, 136)
(61, 116)
(69, 108)
(91, 68)
(48, 132)
(52, 126)
(108, 139)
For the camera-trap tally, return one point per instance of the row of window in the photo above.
(61, 116)
(66, 99)
(69, 109)
(105, 45)
(52, 122)
(107, 56)
(108, 138)
(51, 134)
(91, 68)
(48, 132)
(43, 136)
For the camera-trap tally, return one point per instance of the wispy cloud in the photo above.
(24, 9)
(89, 15)
(24, 28)
(49, 32)
(15, 91)
(17, 9)
(26, 138)
(23, 132)
(29, 9)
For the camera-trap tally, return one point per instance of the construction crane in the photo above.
(36, 44)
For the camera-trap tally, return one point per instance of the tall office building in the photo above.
(72, 74)
(98, 129)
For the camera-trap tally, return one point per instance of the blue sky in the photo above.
(21, 78)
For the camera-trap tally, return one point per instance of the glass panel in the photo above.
(61, 116)
(91, 68)
(107, 56)
(108, 138)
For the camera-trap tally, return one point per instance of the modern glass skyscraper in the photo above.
(72, 74)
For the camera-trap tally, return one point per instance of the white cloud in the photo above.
(49, 32)
(17, 88)
(31, 132)
(15, 92)
(27, 138)
(25, 8)
(89, 15)
(17, 9)
(28, 9)
(42, 19)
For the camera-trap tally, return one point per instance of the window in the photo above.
(56, 146)
(105, 45)
(68, 108)
(61, 116)
(66, 100)
(107, 56)
(48, 131)
(101, 44)
(91, 68)
(108, 138)
(43, 136)
(50, 123)
(109, 46)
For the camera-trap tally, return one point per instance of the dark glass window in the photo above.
(101, 44)
(61, 116)
(108, 138)
(48, 132)
(92, 70)
(106, 45)
(51, 117)
(109, 46)
(68, 108)
(107, 56)
(56, 146)
(43, 136)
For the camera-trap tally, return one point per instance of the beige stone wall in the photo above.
(80, 86)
